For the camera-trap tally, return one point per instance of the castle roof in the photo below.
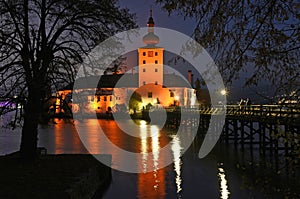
(127, 81)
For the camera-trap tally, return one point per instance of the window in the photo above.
(144, 69)
(156, 70)
(105, 98)
(155, 82)
(110, 98)
(144, 61)
(171, 94)
(156, 53)
(92, 99)
(144, 53)
(149, 94)
(144, 83)
(156, 62)
(150, 53)
(98, 99)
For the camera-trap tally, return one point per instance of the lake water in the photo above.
(215, 176)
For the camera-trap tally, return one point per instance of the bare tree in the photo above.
(260, 37)
(41, 42)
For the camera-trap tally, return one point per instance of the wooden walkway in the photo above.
(284, 114)
(270, 127)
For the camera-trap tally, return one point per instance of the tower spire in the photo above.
(150, 38)
(150, 23)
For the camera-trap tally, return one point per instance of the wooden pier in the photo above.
(270, 127)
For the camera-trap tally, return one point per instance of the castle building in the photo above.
(154, 86)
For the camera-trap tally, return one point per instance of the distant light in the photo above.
(223, 92)
(176, 97)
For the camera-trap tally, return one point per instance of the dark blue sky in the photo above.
(161, 17)
(186, 26)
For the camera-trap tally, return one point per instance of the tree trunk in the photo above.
(29, 139)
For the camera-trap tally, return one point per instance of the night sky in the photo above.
(186, 26)
(161, 17)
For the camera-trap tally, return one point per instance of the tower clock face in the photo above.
(150, 53)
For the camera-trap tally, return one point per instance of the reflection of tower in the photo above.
(151, 184)
(150, 58)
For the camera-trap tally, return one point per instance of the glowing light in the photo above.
(223, 92)
(223, 184)
(154, 131)
(155, 148)
(143, 123)
(155, 151)
(176, 97)
(176, 149)
(144, 147)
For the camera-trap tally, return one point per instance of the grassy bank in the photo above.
(52, 176)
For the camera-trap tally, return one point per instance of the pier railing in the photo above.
(271, 127)
(285, 113)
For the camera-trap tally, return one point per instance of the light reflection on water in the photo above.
(150, 184)
(144, 148)
(224, 192)
(176, 148)
(187, 177)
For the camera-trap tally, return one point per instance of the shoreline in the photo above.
(54, 176)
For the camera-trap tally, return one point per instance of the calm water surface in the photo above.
(188, 177)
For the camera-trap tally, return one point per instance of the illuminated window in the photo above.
(149, 94)
(156, 53)
(144, 61)
(144, 53)
(156, 62)
(150, 53)
(144, 69)
(156, 70)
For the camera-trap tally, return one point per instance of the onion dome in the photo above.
(150, 39)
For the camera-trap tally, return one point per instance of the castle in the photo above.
(153, 86)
